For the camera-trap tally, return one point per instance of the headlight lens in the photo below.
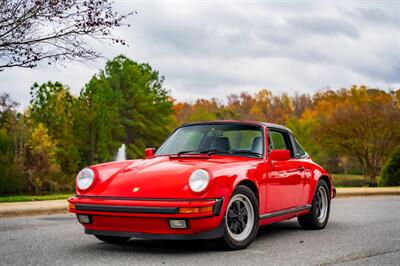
(85, 178)
(199, 180)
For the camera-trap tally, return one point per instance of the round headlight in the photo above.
(199, 180)
(85, 179)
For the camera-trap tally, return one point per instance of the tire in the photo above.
(112, 239)
(318, 216)
(240, 220)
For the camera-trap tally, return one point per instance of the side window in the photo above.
(281, 141)
(278, 141)
(300, 153)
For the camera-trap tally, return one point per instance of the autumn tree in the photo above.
(301, 103)
(35, 30)
(42, 169)
(364, 123)
(241, 105)
(52, 105)
(182, 112)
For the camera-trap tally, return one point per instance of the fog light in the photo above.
(178, 224)
(84, 219)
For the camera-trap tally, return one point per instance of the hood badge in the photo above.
(136, 189)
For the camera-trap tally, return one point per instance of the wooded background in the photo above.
(349, 131)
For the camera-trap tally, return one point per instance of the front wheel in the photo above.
(241, 219)
(318, 216)
(112, 239)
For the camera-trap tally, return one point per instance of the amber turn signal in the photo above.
(71, 206)
(196, 210)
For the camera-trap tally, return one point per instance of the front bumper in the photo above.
(149, 218)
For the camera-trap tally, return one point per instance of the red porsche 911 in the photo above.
(209, 180)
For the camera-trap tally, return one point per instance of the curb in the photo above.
(15, 209)
(47, 207)
(367, 192)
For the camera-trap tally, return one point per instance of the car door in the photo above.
(284, 178)
(303, 161)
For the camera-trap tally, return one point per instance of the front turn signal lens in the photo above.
(196, 210)
(206, 209)
(71, 206)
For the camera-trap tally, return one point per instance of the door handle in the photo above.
(301, 169)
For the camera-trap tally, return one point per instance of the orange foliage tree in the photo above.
(356, 126)
(361, 122)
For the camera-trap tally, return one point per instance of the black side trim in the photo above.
(212, 234)
(283, 212)
(334, 192)
(126, 209)
(218, 206)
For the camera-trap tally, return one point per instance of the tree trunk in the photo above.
(370, 173)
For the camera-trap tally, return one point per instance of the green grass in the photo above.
(341, 180)
(19, 198)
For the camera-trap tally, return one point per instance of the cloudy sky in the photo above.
(207, 49)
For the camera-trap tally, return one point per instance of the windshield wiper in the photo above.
(247, 152)
(209, 152)
(184, 152)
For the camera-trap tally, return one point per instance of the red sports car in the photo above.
(209, 180)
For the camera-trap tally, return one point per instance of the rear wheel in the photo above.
(112, 239)
(318, 216)
(241, 219)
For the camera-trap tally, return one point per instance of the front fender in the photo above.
(226, 181)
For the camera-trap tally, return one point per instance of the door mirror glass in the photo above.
(279, 155)
(149, 153)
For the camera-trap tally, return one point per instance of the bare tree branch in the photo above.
(54, 30)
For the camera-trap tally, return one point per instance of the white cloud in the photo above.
(212, 50)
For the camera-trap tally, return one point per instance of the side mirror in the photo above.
(149, 153)
(279, 155)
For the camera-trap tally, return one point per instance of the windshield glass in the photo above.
(234, 139)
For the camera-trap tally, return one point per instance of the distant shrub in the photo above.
(11, 173)
(391, 170)
(11, 180)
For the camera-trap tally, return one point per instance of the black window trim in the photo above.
(287, 134)
(265, 151)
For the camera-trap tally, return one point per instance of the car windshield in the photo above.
(233, 139)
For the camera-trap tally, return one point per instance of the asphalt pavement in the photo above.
(361, 231)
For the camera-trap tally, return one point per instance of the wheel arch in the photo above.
(251, 185)
(328, 182)
(314, 183)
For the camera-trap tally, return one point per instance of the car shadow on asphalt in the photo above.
(152, 246)
(186, 246)
(277, 229)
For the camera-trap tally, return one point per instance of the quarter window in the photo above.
(300, 153)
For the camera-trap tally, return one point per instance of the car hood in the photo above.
(160, 177)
